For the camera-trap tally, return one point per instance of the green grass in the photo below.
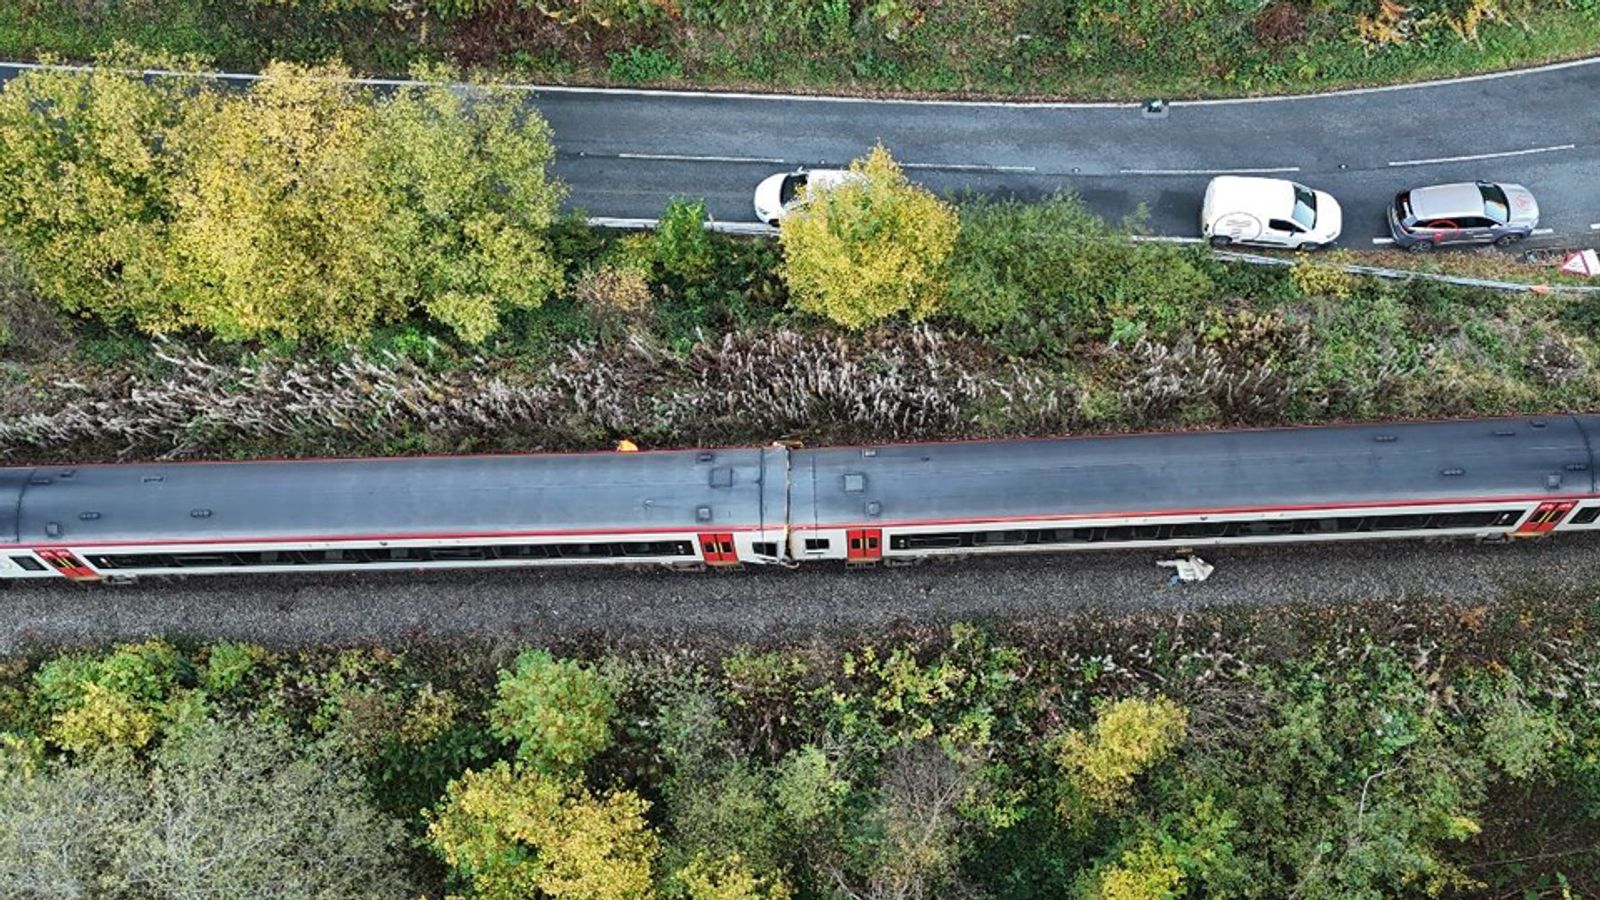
(1003, 47)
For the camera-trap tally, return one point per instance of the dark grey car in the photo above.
(1467, 212)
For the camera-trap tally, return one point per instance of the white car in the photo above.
(784, 192)
(1269, 212)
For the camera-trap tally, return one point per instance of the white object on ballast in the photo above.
(1189, 570)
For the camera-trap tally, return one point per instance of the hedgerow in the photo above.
(1375, 750)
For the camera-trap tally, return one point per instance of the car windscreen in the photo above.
(791, 188)
(1305, 207)
(1494, 203)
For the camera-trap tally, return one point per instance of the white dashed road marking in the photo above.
(1544, 231)
(1383, 240)
(1272, 171)
(675, 157)
(1477, 156)
(1595, 227)
(968, 167)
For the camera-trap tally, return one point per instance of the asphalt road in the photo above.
(755, 605)
(625, 153)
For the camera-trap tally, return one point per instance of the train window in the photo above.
(998, 538)
(1394, 523)
(1464, 520)
(585, 551)
(765, 548)
(198, 560)
(1199, 529)
(455, 554)
(1586, 516)
(28, 563)
(816, 544)
(1266, 528)
(925, 541)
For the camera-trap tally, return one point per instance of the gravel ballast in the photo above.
(531, 605)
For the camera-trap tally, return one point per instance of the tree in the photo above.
(224, 811)
(107, 702)
(869, 248)
(470, 202)
(558, 711)
(86, 164)
(519, 834)
(1127, 738)
(279, 217)
(728, 878)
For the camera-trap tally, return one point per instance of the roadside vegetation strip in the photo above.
(1094, 50)
(1411, 274)
(1208, 752)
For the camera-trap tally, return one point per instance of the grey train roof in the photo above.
(1197, 471)
(686, 490)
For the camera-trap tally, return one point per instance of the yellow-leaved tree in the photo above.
(278, 217)
(470, 202)
(1127, 739)
(86, 161)
(516, 834)
(869, 247)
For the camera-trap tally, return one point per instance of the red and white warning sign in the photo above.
(1584, 262)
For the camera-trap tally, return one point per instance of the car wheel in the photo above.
(1421, 247)
(1220, 241)
(1506, 240)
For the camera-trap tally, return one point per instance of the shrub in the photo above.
(515, 835)
(229, 666)
(557, 711)
(1127, 738)
(1323, 278)
(110, 701)
(866, 250)
(644, 64)
(610, 292)
(1043, 276)
(682, 244)
(1145, 872)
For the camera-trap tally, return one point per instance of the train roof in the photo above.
(407, 497)
(1210, 471)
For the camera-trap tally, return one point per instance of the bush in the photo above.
(682, 244)
(107, 702)
(557, 711)
(1043, 276)
(728, 878)
(866, 250)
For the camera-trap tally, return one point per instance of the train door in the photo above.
(1545, 518)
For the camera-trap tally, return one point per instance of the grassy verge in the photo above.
(1096, 50)
(1371, 750)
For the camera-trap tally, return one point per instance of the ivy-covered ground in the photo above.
(1371, 750)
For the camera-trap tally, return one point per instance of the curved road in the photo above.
(626, 152)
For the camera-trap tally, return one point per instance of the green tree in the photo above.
(682, 245)
(86, 164)
(869, 248)
(113, 700)
(513, 835)
(728, 878)
(558, 711)
(469, 202)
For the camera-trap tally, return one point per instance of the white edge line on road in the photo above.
(1544, 231)
(969, 167)
(1595, 227)
(711, 225)
(678, 157)
(1477, 156)
(828, 98)
(1382, 241)
(1268, 171)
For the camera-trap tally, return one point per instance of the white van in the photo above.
(1268, 212)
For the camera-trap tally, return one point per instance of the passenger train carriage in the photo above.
(1470, 478)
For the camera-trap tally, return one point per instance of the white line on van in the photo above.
(1264, 171)
(1477, 156)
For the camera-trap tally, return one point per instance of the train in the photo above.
(787, 506)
